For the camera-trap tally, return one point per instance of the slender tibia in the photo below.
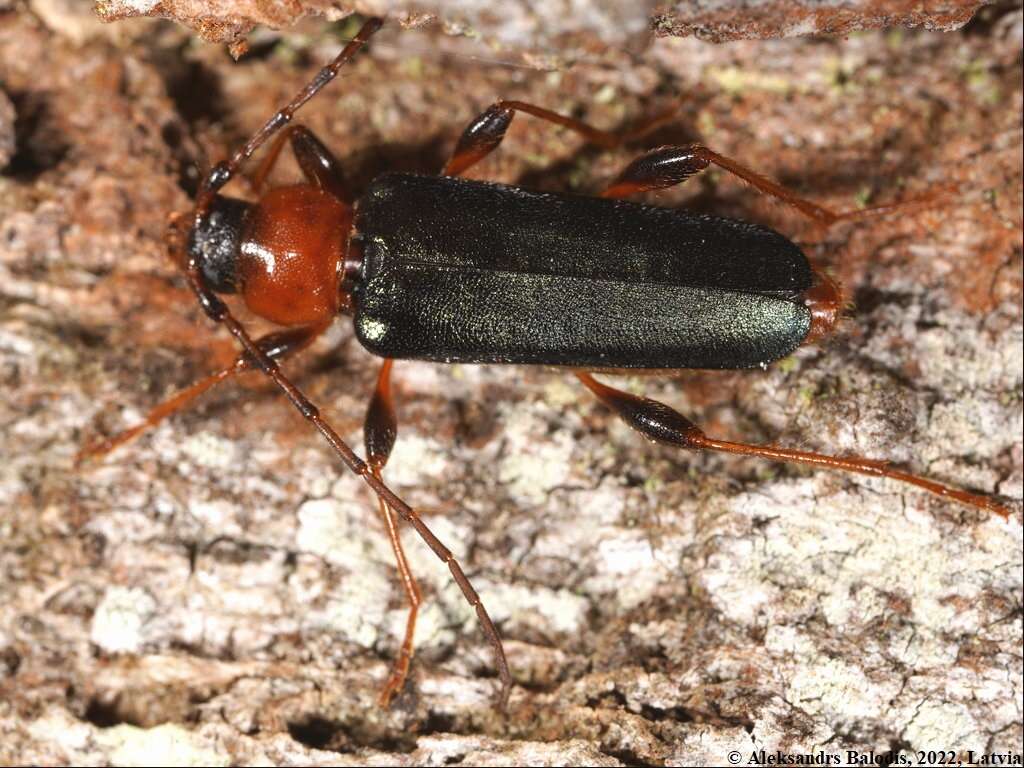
(400, 672)
(379, 433)
(854, 464)
(100, 447)
(663, 424)
(278, 345)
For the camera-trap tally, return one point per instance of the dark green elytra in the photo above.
(467, 271)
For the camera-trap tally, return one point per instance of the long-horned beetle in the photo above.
(445, 269)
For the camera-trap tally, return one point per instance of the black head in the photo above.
(215, 240)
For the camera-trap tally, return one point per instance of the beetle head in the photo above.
(215, 241)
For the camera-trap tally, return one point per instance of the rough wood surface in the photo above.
(218, 592)
(562, 27)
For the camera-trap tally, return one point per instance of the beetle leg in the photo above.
(670, 165)
(277, 345)
(657, 169)
(662, 424)
(379, 434)
(483, 135)
(315, 161)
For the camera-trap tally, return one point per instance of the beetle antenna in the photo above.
(218, 311)
(258, 357)
(222, 173)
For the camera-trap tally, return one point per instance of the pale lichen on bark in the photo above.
(219, 592)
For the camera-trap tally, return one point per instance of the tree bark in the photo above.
(220, 591)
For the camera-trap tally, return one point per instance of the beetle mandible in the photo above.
(444, 269)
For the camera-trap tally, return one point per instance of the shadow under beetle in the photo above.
(451, 270)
